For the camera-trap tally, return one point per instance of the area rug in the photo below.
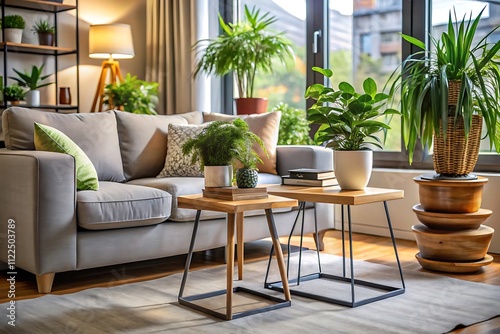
(431, 304)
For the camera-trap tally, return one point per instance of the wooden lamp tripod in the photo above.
(109, 41)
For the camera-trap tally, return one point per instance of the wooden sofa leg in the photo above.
(44, 282)
(318, 239)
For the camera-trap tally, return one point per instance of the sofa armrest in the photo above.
(38, 193)
(302, 156)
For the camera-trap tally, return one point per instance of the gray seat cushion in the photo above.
(96, 134)
(179, 186)
(118, 205)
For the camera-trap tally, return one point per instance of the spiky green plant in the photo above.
(347, 118)
(244, 48)
(221, 143)
(44, 26)
(32, 80)
(424, 76)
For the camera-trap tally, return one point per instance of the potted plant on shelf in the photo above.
(244, 48)
(33, 82)
(217, 147)
(14, 94)
(347, 124)
(13, 28)
(132, 95)
(447, 91)
(46, 31)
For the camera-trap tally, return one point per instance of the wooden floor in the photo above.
(366, 247)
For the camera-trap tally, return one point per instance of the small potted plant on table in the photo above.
(46, 31)
(347, 124)
(218, 146)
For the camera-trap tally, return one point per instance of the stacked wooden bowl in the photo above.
(451, 237)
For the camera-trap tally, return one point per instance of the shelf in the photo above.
(46, 6)
(36, 49)
(44, 106)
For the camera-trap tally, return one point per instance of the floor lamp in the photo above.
(110, 42)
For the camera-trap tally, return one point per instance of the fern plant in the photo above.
(221, 143)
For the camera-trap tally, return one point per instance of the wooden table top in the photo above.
(335, 195)
(198, 202)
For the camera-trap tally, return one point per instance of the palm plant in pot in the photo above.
(447, 91)
(244, 48)
(217, 147)
(33, 82)
(347, 124)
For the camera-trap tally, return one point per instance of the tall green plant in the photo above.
(424, 77)
(32, 80)
(244, 48)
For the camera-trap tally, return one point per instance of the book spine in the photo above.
(304, 176)
(302, 182)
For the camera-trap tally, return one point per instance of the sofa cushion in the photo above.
(53, 140)
(176, 162)
(143, 142)
(118, 205)
(266, 126)
(96, 134)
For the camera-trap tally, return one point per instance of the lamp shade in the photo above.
(111, 41)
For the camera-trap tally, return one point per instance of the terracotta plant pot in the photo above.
(251, 105)
(442, 245)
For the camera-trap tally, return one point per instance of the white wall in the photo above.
(370, 218)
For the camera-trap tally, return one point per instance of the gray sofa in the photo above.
(134, 215)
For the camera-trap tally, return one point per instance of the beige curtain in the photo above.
(171, 32)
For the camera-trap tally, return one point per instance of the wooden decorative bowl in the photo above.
(453, 246)
(460, 196)
(454, 267)
(451, 221)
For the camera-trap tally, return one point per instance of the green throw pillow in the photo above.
(53, 140)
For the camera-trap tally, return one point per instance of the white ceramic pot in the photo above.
(13, 35)
(33, 98)
(353, 168)
(218, 176)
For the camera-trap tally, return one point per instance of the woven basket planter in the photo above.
(453, 92)
(457, 155)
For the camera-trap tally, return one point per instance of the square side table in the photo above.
(235, 210)
(334, 195)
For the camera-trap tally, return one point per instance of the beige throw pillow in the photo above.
(176, 163)
(266, 126)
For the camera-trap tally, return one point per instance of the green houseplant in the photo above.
(13, 28)
(347, 123)
(218, 146)
(244, 48)
(294, 128)
(132, 95)
(446, 93)
(33, 81)
(45, 30)
(14, 94)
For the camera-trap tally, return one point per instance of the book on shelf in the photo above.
(311, 174)
(287, 180)
(235, 193)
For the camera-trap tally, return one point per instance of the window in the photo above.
(366, 45)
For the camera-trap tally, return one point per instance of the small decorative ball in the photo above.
(246, 178)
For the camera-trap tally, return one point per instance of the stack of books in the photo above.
(310, 177)
(235, 193)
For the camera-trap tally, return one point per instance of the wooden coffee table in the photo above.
(235, 210)
(334, 195)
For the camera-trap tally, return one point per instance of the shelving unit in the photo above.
(56, 51)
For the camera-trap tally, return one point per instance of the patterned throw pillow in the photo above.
(47, 138)
(176, 163)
